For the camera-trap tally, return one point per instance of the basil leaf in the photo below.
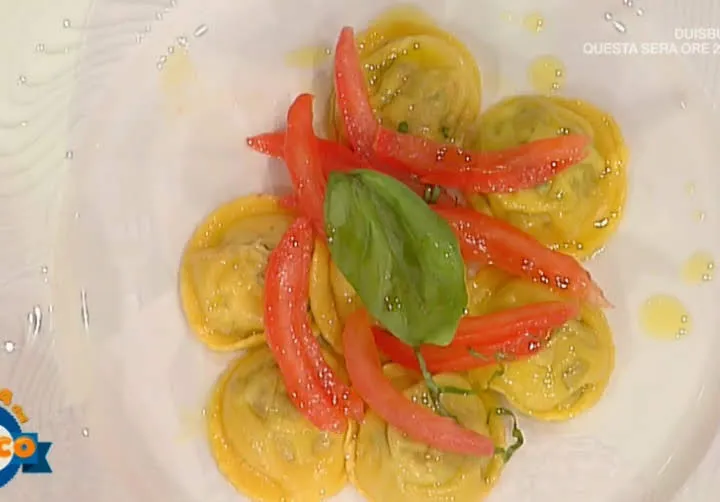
(401, 257)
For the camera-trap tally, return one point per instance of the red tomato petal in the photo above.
(458, 358)
(548, 158)
(288, 331)
(520, 167)
(491, 240)
(418, 422)
(422, 156)
(304, 163)
(512, 324)
(334, 156)
(337, 157)
(269, 143)
(351, 92)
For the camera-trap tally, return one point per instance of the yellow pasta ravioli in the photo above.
(564, 379)
(263, 445)
(579, 209)
(322, 297)
(384, 464)
(222, 273)
(422, 80)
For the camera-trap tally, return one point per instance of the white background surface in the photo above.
(40, 45)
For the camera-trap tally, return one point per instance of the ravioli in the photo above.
(222, 273)
(322, 298)
(421, 79)
(579, 209)
(383, 464)
(262, 444)
(564, 379)
(481, 287)
(347, 300)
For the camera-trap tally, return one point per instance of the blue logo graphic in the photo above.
(19, 451)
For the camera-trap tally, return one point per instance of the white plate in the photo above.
(157, 149)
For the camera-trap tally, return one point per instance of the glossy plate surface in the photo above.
(123, 124)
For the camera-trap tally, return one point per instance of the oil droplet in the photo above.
(34, 320)
(628, 3)
(640, 12)
(176, 79)
(84, 311)
(200, 30)
(619, 26)
(308, 57)
(85, 432)
(9, 346)
(69, 155)
(534, 22)
(191, 425)
(683, 104)
(608, 16)
(161, 62)
(699, 268)
(664, 316)
(699, 216)
(601, 223)
(547, 74)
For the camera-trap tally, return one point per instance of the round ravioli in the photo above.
(384, 464)
(262, 444)
(421, 79)
(222, 273)
(568, 376)
(579, 209)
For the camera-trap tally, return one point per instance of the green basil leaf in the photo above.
(402, 259)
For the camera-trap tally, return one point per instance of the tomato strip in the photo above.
(288, 332)
(422, 155)
(336, 157)
(546, 159)
(417, 421)
(510, 324)
(490, 240)
(303, 160)
(333, 156)
(515, 332)
(453, 359)
(353, 100)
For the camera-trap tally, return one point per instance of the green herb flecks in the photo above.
(433, 389)
(516, 433)
(449, 389)
(477, 354)
(432, 194)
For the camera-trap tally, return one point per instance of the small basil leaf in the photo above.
(401, 257)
